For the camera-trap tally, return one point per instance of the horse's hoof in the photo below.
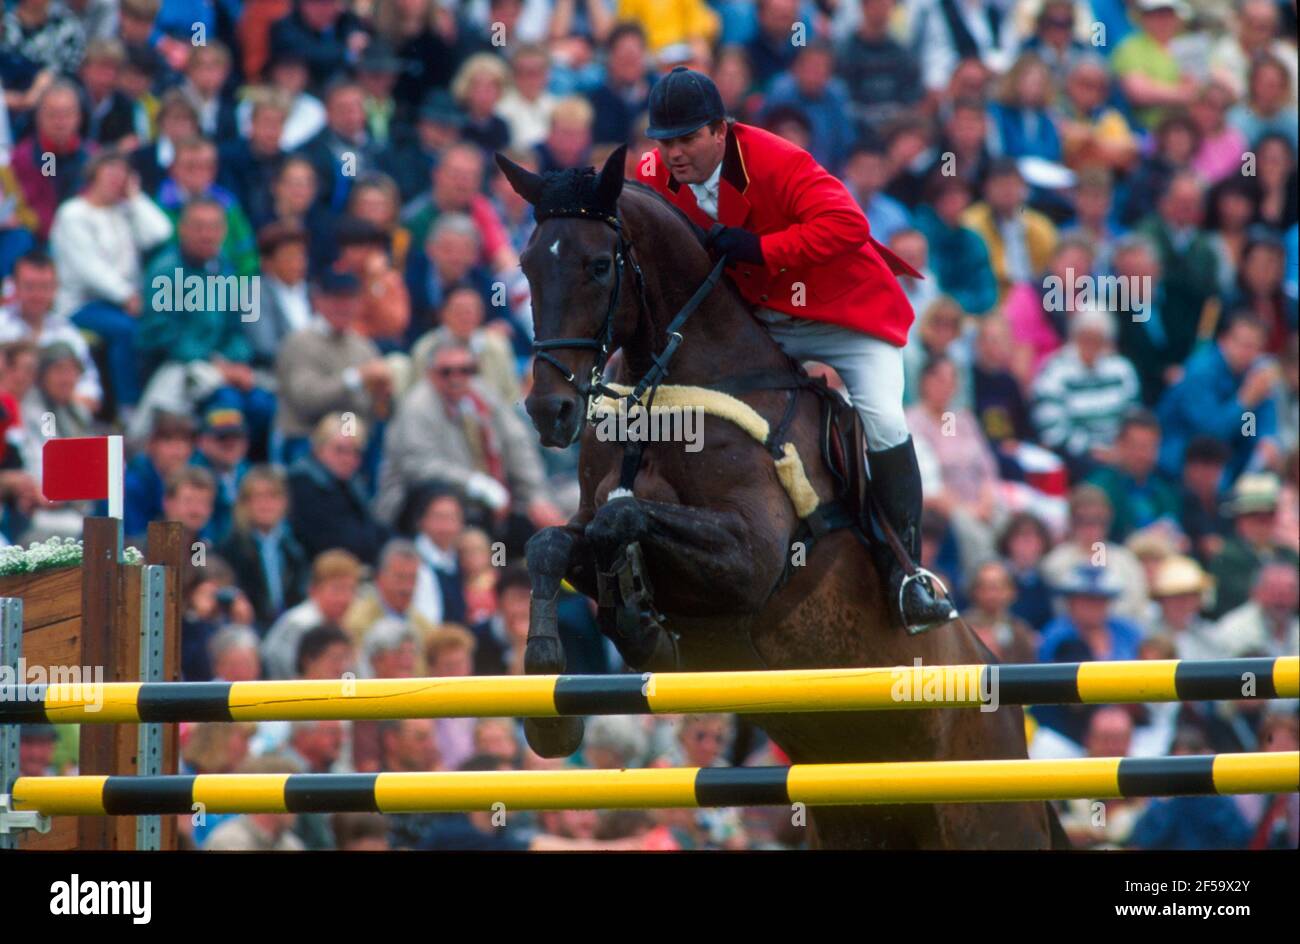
(554, 737)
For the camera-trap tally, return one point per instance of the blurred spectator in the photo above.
(329, 508)
(335, 575)
(344, 148)
(865, 174)
(284, 301)
(1225, 392)
(188, 497)
(967, 465)
(527, 104)
(1176, 141)
(385, 309)
(207, 324)
(477, 89)
(771, 49)
(376, 199)
(1191, 822)
(1252, 544)
(951, 31)
(1221, 145)
(324, 33)
(957, 253)
(1276, 166)
(1150, 75)
(30, 316)
(1179, 590)
(1090, 522)
(248, 162)
(266, 558)
(293, 202)
(881, 76)
(624, 94)
(1269, 105)
(1034, 310)
(234, 655)
(457, 188)
(1083, 391)
(1201, 514)
(377, 71)
(1267, 625)
(499, 648)
(467, 438)
(223, 451)
(258, 832)
(206, 72)
(49, 162)
(1093, 131)
(434, 515)
(998, 398)
(1187, 261)
(666, 25)
(176, 121)
(1021, 120)
(97, 243)
(461, 320)
(169, 448)
(328, 367)
(110, 115)
(1008, 637)
(811, 86)
(1023, 543)
(391, 594)
(1258, 289)
(1231, 208)
(1139, 496)
(1275, 819)
(568, 140)
(1020, 240)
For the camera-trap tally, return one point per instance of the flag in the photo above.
(82, 469)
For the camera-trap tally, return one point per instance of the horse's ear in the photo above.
(525, 183)
(610, 184)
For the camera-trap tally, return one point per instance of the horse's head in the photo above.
(579, 270)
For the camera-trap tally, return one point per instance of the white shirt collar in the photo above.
(710, 185)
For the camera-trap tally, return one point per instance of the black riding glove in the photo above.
(740, 245)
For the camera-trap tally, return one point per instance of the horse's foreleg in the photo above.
(703, 560)
(549, 554)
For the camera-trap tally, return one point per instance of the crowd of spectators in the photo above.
(265, 241)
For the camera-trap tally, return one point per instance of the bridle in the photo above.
(603, 342)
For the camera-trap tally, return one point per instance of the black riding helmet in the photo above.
(682, 101)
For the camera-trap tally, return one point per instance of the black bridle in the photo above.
(603, 342)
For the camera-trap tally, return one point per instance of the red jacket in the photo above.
(812, 230)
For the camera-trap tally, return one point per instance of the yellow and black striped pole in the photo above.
(984, 781)
(771, 692)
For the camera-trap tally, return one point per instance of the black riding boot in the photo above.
(896, 484)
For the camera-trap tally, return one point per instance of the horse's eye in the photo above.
(600, 268)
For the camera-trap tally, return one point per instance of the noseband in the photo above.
(603, 342)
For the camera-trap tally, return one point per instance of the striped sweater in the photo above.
(1077, 407)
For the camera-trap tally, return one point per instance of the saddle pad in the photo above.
(789, 468)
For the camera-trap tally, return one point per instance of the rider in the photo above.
(802, 254)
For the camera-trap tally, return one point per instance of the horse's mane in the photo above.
(659, 198)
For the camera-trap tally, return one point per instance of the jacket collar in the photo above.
(733, 206)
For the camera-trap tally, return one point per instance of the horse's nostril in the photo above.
(564, 412)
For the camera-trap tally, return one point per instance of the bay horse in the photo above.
(613, 266)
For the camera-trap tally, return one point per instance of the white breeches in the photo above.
(872, 370)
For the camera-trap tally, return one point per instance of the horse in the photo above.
(614, 266)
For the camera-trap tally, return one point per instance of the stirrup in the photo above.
(921, 573)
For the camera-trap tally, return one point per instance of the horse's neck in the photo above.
(719, 340)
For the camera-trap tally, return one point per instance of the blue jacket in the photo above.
(1204, 403)
(960, 261)
(1192, 822)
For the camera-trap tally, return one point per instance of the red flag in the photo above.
(83, 468)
